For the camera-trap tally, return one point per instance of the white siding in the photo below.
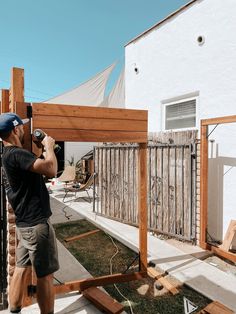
(172, 65)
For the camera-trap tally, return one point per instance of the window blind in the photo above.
(181, 115)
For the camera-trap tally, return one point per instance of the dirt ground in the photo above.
(101, 255)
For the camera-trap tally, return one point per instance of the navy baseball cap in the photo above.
(9, 120)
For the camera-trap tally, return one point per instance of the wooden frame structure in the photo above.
(204, 185)
(87, 124)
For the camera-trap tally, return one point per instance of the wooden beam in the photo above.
(95, 136)
(88, 112)
(83, 284)
(216, 308)
(229, 236)
(17, 88)
(218, 120)
(103, 301)
(5, 101)
(203, 185)
(87, 123)
(17, 104)
(81, 236)
(228, 255)
(142, 203)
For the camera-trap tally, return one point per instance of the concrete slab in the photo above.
(202, 277)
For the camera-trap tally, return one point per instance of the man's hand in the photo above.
(48, 142)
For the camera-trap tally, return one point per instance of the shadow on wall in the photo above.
(221, 195)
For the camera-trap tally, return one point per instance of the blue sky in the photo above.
(62, 43)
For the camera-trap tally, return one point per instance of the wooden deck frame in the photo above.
(88, 124)
(204, 186)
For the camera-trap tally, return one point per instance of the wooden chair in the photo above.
(68, 175)
(81, 188)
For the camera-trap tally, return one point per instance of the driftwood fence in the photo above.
(171, 183)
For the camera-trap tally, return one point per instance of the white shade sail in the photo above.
(90, 93)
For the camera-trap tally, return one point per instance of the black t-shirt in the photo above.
(26, 192)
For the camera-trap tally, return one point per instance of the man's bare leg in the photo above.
(16, 291)
(45, 294)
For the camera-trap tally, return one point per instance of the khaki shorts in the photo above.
(37, 247)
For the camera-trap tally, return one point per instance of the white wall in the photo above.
(173, 65)
(77, 150)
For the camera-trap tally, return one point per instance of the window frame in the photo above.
(174, 102)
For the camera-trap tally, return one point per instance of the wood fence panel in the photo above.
(171, 184)
(179, 191)
(187, 191)
(159, 189)
(126, 186)
(165, 191)
(136, 187)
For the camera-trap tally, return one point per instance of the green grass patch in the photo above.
(94, 253)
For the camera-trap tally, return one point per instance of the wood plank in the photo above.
(187, 192)
(165, 189)
(96, 136)
(172, 190)
(103, 301)
(165, 283)
(179, 191)
(126, 185)
(88, 112)
(216, 308)
(17, 89)
(218, 120)
(16, 102)
(228, 255)
(160, 277)
(203, 185)
(152, 272)
(83, 284)
(5, 101)
(81, 236)
(159, 188)
(230, 233)
(142, 202)
(87, 123)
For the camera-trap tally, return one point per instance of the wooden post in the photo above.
(204, 186)
(142, 203)
(5, 101)
(17, 104)
(17, 88)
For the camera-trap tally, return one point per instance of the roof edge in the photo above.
(162, 21)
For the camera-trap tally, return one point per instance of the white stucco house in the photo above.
(183, 69)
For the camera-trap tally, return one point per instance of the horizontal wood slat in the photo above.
(88, 123)
(96, 136)
(88, 112)
(219, 120)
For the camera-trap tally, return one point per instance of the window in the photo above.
(180, 115)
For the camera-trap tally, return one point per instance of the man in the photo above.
(29, 199)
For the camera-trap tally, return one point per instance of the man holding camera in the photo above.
(28, 196)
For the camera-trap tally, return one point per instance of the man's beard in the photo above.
(22, 138)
